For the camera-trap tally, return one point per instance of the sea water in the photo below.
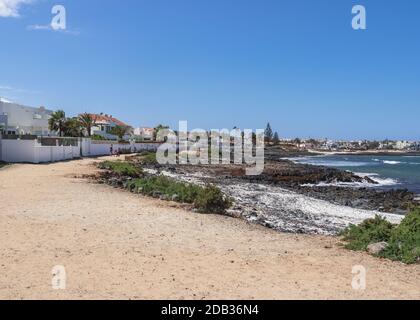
(388, 171)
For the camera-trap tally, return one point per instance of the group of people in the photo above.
(112, 152)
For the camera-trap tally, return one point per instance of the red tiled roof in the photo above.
(106, 118)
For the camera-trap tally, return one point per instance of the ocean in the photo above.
(391, 172)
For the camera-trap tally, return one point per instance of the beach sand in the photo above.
(117, 245)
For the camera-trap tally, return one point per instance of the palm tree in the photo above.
(57, 121)
(73, 128)
(120, 131)
(87, 122)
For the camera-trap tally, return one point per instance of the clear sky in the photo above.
(221, 63)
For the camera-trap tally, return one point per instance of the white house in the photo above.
(19, 119)
(104, 124)
(144, 134)
(402, 145)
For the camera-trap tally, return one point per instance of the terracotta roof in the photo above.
(106, 118)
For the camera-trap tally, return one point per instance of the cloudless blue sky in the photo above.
(222, 63)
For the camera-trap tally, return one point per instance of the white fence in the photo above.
(30, 151)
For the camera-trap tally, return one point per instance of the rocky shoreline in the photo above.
(273, 206)
(303, 179)
(282, 199)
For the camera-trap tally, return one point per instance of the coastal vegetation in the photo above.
(205, 199)
(87, 122)
(2, 164)
(148, 158)
(123, 169)
(71, 127)
(57, 121)
(399, 242)
(120, 131)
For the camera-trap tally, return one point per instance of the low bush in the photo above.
(98, 137)
(164, 186)
(212, 200)
(205, 199)
(368, 232)
(125, 169)
(147, 158)
(404, 243)
(403, 240)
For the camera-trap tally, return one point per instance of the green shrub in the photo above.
(370, 231)
(212, 200)
(206, 200)
(404, 243)
(148, 158)
(164, 186)
(403, 240)
(98, 137)
(125, 169)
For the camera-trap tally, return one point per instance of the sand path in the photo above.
(116, 245)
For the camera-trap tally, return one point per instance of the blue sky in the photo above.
(222, 63)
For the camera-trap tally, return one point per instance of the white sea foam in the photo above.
(286, 210)
(391, 162)
(380, 182)
(328, 163)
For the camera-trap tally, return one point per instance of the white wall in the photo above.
(30, 151)
(101, 148)
(18, 150)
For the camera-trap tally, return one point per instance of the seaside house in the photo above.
(402, 145)
(144, 134)
(23, 120)
(104, 124)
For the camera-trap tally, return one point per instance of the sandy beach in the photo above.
(117, 245)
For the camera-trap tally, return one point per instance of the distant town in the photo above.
(19, 120)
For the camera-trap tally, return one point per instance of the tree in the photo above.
(157, 129)
(87, 122)
(268, 133)
(57, 121)
(72, 128)
(120, 131)
(276, 138)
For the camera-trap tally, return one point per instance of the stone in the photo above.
(377, 248)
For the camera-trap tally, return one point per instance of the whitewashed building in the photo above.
(104, 124)
(23, 120)
(144, 134)
(402, 145)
